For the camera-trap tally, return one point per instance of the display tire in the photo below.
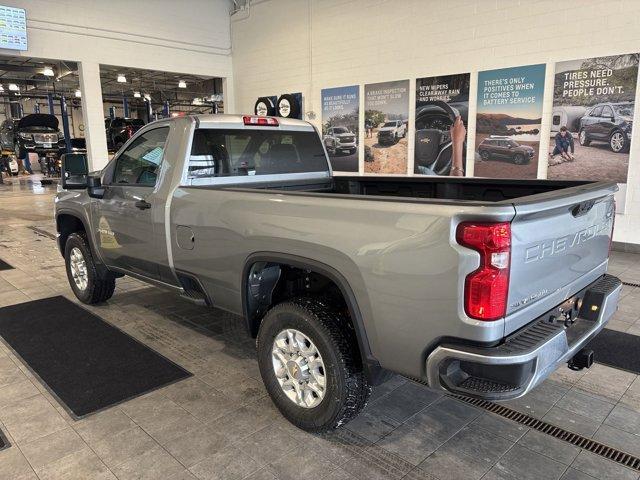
(347, 389)
(264, 104)
(100, 283)
(293, 106)
(519, 159)
(485, 155)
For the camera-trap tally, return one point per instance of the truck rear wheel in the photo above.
(88, 282)
(310, 366)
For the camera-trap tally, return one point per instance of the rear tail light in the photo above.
(486, 289)
(129, 130)
(260, 121)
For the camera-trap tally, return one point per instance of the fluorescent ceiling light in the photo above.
(196, 101)
(78, 93)
(182, 84)
(1, 88)
(122, 78)
(13, 87)
(48, 72)
(136, 94)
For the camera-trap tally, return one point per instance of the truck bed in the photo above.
(441, 189)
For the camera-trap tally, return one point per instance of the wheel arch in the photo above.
(371, 366)
(68, 222)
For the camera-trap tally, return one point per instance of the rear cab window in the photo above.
(223, 156)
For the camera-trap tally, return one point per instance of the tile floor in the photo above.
(220, 424)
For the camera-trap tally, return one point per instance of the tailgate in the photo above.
(560, 243)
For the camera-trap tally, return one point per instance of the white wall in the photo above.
(183, 37)
(283, 46)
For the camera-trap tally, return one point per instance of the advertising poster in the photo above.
(508, 122)
(386, 115)
(593, 101)
(340, 118)
(439, 100)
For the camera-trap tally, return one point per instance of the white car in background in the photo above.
(391, 132)
(340, 140)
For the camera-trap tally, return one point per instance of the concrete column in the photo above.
(228, 96)
(92, 112)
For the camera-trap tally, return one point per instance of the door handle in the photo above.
(142, 205)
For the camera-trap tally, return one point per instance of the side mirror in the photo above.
(73, 171)
(94, 187)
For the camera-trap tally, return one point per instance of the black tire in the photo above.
(292, 105)
(583, 138)
(264, 107)
(518, 159)
(485, 155)
(347, 389)
(100, 283)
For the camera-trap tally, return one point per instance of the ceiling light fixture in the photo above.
(136, 94)
(122, 78)
(1, 88)
(182, 84)
(78, 93)
(147, 96)
(48, 72)
(13, 87)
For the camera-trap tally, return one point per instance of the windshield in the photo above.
(389, 124)
(511, 143)
(228, 153)
(37, 128)
(340, 130)
(137, 122)
(624, 110)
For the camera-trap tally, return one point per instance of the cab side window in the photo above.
(597, 112)
(140, 163)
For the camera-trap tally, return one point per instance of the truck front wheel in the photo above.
(309, 364)
(88, 282)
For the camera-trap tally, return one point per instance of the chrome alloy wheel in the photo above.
(299, 368)
(78, 269)
(617, 142)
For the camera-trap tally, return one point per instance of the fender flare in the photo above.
(370, 364)
(73, 213)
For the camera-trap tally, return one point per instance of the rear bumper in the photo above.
(527, 357)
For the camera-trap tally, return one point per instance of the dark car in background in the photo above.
(505, 149)
(37, 133)
(119, 130)
(610, 123)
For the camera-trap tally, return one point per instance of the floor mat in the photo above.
(617, 349)
(87, 363)
(5, 266)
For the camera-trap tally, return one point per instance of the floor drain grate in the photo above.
(631, 284)
(585, 443)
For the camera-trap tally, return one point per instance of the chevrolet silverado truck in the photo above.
(479, 287)
(340, 140)
(390, 132)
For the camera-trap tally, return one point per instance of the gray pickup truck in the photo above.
(479, 287)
